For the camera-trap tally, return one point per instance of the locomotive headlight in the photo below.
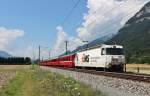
(108, 65)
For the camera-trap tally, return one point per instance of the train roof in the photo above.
(85, 49)
(100, 45)
(60, 56)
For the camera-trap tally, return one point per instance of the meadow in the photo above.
(32, 81)
(143, 68)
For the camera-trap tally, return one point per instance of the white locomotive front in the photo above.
(109, 57)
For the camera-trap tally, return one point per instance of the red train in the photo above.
(62, 61)
(109, 57)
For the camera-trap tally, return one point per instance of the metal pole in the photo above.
(49, 54)
(33, 57)
(125, 67)
(66, 46)
(138, 70)
(42, 59)
(39, 54)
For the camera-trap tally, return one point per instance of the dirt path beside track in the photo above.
(5, 76)
(9, 71)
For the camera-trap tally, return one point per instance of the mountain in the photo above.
(135, 37)
(100, 40)
(4, 54)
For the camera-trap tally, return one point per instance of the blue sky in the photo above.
(26, 24)
(39, 19)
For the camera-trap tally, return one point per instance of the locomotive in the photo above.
(107, 57)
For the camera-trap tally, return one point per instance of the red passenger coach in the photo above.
(61, 61)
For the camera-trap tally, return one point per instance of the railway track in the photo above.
(127, 76)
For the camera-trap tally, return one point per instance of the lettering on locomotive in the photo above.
(85, 58)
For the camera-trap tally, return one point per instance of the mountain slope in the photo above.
(135, 37)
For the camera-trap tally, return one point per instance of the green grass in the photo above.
(36, 82)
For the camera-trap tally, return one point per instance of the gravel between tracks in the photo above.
(5, 76)
(108, 85)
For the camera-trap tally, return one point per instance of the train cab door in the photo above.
(102, 61)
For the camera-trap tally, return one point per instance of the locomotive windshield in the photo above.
(114, 51)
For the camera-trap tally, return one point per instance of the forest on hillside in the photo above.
(15, 61)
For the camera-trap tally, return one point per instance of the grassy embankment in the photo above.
(36, 82)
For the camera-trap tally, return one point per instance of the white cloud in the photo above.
(8, 35)
(59, 45)
(104, 17)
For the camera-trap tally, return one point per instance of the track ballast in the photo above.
(127, 76)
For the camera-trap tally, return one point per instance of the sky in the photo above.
(26, 24)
